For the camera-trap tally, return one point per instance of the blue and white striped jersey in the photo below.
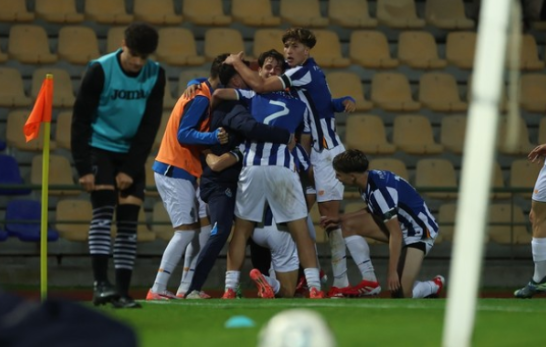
(278, 109)
(388, 195)
(303, 163)
(310, 86)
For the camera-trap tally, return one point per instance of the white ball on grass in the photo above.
(297, 328)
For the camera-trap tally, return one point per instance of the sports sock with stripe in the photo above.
(171, 256)
(125, 245)
(103, 202)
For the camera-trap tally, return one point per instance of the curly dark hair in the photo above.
(352, 160)
(226, 72)
(273, 54)
(141, 38)
(302, 35)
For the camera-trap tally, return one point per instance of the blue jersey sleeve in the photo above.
(196, 81)
(299, 76)
(241, 121)
(338, 103)
(194, 113)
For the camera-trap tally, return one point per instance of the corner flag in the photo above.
(42, 110)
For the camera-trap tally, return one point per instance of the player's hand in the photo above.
(350, 105)
(123, 181)
(223, 136)
(232, 58)
(87, 182)
(329, 222)
(537, 154)
(191, 90)
(393, 281)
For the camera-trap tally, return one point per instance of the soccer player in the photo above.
(396, 214)
(308, 82)
(193, 250)
(177, 168)
(268, 176)
(284, 260)
(221, 170)
(116, 117)
(537, 216)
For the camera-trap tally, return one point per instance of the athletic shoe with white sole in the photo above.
(265, 291)
(197, 295)
(531, 289)
(368, 288)
(166, 295)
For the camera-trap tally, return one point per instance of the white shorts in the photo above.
(203, 207)
(179, 198)
(277, 185)
(539, 193)
(327, 185)
(284, 254)
(309, 190)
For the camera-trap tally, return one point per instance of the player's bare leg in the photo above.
(288, 281)
(410, 265)
(337, 245)
(537, 284)
(307, 254)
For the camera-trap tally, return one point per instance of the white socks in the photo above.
(312, 277)
(232, 279)
(538, 246)
(171, 257)
(339, 259)
(190, 260)
(424, 289)
(360, 251)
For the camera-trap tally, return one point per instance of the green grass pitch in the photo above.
(355, 322)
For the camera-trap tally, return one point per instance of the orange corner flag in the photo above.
(42, 109)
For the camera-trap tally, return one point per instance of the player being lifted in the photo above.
(307, 81)
(268, 177)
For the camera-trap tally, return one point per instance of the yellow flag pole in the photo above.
(44, 213)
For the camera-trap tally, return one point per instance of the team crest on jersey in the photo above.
(229, 193)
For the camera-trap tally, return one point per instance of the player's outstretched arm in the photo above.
(241, 121)
(189, 130)
(344, 104)
(252, 79)
(537, 154)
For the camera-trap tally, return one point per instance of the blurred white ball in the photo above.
(296, 328)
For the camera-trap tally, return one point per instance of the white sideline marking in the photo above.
(254, 303)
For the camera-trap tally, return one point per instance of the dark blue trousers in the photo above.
(221, 201)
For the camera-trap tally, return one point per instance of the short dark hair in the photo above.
(273, 54)
(352, 160)
(301, 35)
(142, 38)
(217, 63)
(226, 72)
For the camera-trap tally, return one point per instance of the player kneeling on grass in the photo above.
(396, 214)
(284, 260)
